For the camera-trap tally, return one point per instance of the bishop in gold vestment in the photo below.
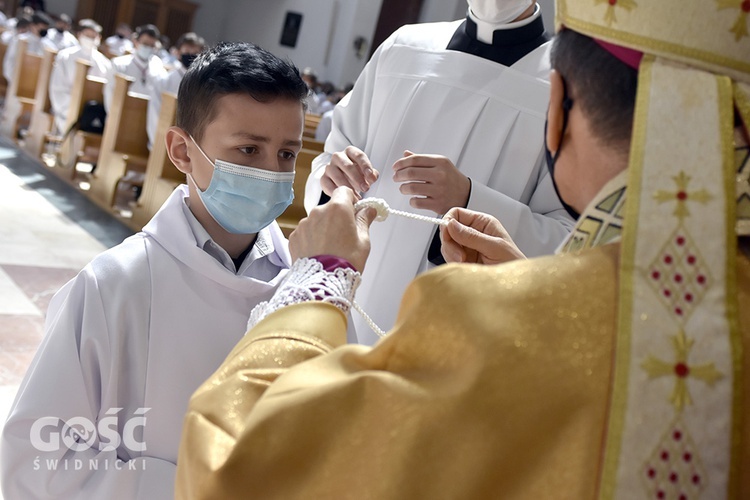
(620, 369)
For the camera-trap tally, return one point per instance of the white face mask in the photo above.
(144, 52)
(498, 11)
(88, 44)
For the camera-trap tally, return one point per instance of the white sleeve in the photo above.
(537, 228)
(109, 87)
(324, 127)
(154, 108)
(351, 117)
(9, 61)
(59, 89)
(52, 445)
(308, 280)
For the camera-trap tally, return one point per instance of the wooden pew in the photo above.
(41, 112)
(162, 177)
(124, 142)
(3, 81)
(83, 146)
(312, 144)
(19, 98)
(311, 124)
(290, 218)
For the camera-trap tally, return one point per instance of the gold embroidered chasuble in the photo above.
(496, 381)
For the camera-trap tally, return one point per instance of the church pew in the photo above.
(312, 144)
(3, 81)
(124, 142)
(296, 211)
(83, 146)
(311, 125)
(41, 112)
(162, 177)
(21, 92)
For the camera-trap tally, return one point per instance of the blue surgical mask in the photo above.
(144, 52)
(244, 200)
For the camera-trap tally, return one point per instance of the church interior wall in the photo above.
(327, 34)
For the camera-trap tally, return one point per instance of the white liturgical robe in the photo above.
(63, 74)
(488, 119)
(145, 74)
(132, 336)
(167, 83)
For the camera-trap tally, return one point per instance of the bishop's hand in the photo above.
(350, 168)
(476, 238)
(335, 229)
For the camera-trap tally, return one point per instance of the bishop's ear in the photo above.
(555, 111)
(177, 148)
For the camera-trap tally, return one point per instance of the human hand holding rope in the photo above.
(335, 229)
(477, 238)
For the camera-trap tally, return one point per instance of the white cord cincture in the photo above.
(381, 206)
(383, 210)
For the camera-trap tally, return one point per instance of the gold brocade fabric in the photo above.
(495, 383)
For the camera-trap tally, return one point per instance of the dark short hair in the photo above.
(233, 68)
(40, 17)
(23, 21)
(89, 24)
(602, 85)
(190, 39)
(147, 29)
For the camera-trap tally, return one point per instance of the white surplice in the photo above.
(63, 74)
(145, 74)
(141, 327)
(488, 119)
(166, 83)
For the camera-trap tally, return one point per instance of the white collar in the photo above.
(262, 247)
(485, 30)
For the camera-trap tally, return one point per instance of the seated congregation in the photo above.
(96, 113)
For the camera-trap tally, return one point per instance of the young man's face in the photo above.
(39, 28)
(88, 33)
(265, 135)
(189, 48)
(146, 41)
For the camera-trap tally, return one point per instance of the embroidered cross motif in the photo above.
(681, 370)
(609, 16)
(740, 25)
(682, 196)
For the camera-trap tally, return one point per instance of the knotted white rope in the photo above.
(383, 210)
(381, 206)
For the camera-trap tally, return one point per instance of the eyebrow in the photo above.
(260, 138)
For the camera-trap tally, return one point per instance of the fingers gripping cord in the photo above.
(381, 206)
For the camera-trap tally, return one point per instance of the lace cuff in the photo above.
(308, 280)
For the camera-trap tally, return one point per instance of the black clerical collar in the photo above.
(508, 45)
